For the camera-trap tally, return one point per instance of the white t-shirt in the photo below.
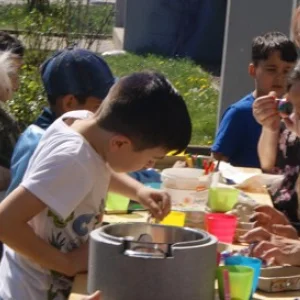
(68, 175)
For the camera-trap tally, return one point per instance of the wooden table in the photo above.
(79, 291)
(80, 284)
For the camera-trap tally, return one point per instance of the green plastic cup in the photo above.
(222, 199)
(240, 282)
(116, 202)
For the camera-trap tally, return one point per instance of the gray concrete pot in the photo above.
(141, 261)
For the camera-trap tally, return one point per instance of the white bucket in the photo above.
(187, 187)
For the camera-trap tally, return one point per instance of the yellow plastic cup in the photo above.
(174, 218)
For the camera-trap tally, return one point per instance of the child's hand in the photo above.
(179, 164)
(95, 296)
(265, 111)
(157, 201)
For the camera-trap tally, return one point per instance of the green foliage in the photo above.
(191, 81)
(58, 25)
(194, 84)
(60, 17)
(28, 102)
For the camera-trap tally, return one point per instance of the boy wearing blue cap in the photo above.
(46, 221)
(73, 79)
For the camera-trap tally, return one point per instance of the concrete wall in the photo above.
(120, 13)
(245, 20)
(184, 28)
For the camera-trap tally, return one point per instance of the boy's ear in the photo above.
(118, 142)
(69, 103)
(252, 70)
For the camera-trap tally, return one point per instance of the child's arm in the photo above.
(122, 183)
(267, 149)
(15, 212)
(266, 114)
(157, 201)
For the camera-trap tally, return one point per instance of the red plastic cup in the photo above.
(221, 226)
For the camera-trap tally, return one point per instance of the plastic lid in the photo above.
(182, 173)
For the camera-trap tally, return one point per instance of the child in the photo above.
(279, 147)
(46, 221)
(273, 56)
(67, 90)
(11, 60)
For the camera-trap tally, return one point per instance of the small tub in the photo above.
(187, 187)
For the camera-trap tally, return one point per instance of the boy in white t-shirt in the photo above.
(45, 222)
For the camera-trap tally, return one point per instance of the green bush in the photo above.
(28, 102)
(192, 82)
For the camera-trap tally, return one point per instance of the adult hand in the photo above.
(267, 216)
(278, 252)
(266, 113)
(157, 201)
(287, 231)
(293, 123)
(259, 234)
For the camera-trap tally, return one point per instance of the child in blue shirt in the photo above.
(273, 56)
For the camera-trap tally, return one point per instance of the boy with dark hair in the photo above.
(46, 221)
(273, 57)
(74, 79)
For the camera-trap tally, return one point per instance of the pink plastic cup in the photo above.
(221, 226)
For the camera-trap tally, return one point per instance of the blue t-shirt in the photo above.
(238, 134)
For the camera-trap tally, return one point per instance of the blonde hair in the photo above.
(7, 70)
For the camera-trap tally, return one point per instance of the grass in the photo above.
(191, 81)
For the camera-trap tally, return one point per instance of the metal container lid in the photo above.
(159, 240)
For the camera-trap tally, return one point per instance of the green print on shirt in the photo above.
(57, 241)
(52, 293)
(58, 221)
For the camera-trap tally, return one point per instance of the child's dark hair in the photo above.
(263, 46)
(147, 109)
(11, 43)
(294, 76)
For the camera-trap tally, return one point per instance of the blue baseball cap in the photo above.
(76, 72)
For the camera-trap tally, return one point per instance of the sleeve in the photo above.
(60, 181)
(23, 151)
(230, 133)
